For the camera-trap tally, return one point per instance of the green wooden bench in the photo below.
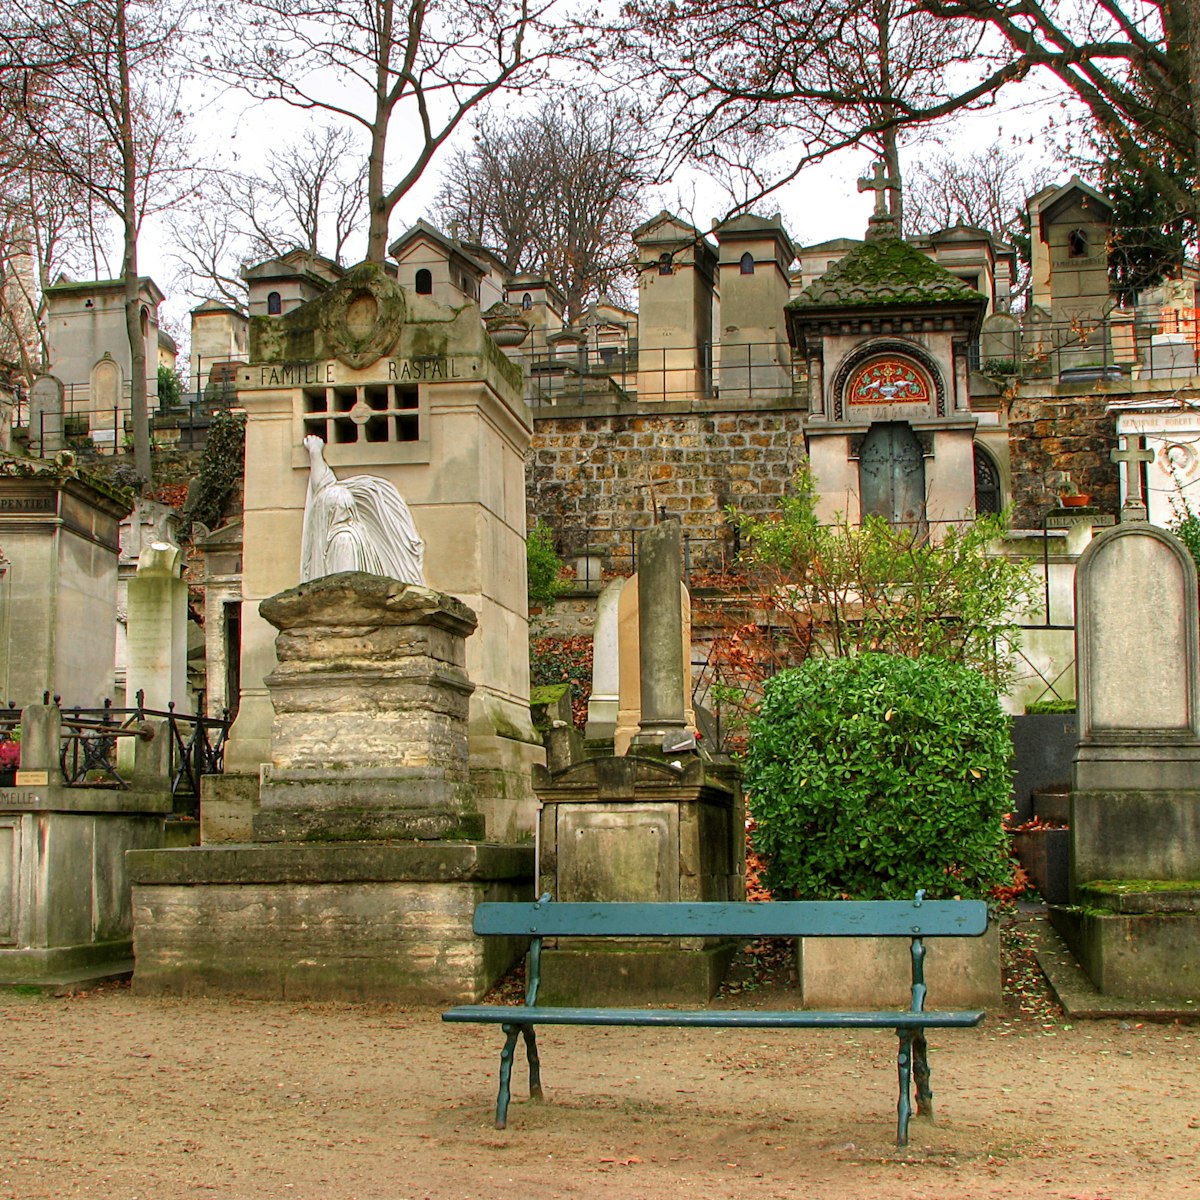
(914, 919)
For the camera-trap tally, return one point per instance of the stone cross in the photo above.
(881, 183)
(1132, 456)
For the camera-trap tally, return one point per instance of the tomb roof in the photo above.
(884, 272)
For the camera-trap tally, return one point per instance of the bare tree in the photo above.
(43, 232)
(420, 66)
(784, 70)
(556, 191)
(757, 75)
(106, 125)
(312, 194)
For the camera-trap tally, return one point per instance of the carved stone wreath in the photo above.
(363, 317)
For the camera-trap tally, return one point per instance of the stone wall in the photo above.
(1059, 430)
(595, 475)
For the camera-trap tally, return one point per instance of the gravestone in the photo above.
(657, 824)
(1135, 803)
(157, 631)
(606, 674)
(46, 416)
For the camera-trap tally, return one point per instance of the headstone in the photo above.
(1170, 356)
(1000, 341)
(157, 633)
(46, 416)
(629, 672)
(604, 698)
(661, 649)
(1135, 804)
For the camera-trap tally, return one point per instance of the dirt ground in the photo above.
(114, 1095)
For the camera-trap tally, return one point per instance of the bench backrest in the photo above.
(780, 918)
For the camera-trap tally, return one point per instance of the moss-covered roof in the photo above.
(885, 271)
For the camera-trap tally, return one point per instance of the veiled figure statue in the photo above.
(356, 524)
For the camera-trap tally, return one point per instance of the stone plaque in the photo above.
(624, 853)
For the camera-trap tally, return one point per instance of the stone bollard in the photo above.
(152, 756)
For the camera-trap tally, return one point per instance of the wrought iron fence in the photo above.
(90, 739)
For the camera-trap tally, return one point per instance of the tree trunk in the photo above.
(129, 263)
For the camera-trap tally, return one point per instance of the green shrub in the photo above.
(170, 389)
(544, 568)
(872, 776)
(220, 468)
(1040, 707)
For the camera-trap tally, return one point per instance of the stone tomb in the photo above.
(65, 915)
(417, 394)
(658, 824)
(57, 632)
(1135, 803)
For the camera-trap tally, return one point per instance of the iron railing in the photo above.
(90, 739)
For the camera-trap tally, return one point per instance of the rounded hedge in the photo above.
(872, 776)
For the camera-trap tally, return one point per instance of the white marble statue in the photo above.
(356, 524)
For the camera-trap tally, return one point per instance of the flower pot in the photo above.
(1076, 500)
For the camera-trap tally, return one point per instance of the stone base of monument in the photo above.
(64, 892)
(874, 973)
(320, 805)
(349, 885)
(320, 922)
(638, 829)
(1139, 940)
(587, 974)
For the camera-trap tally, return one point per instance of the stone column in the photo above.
(660, 633)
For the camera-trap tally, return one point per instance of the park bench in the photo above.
(915, 919)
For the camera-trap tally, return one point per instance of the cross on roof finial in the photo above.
(881, 184)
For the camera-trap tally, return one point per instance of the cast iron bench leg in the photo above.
(904, 1065)
(535, 1066)
(921, 1074)
(506, 1062)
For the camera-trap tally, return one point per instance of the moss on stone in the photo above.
(885, 271)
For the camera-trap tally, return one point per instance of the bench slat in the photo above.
(788, 918)
(715, 1018)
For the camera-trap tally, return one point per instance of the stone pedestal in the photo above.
(371, 698)
(636, 829)
(324, 922)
